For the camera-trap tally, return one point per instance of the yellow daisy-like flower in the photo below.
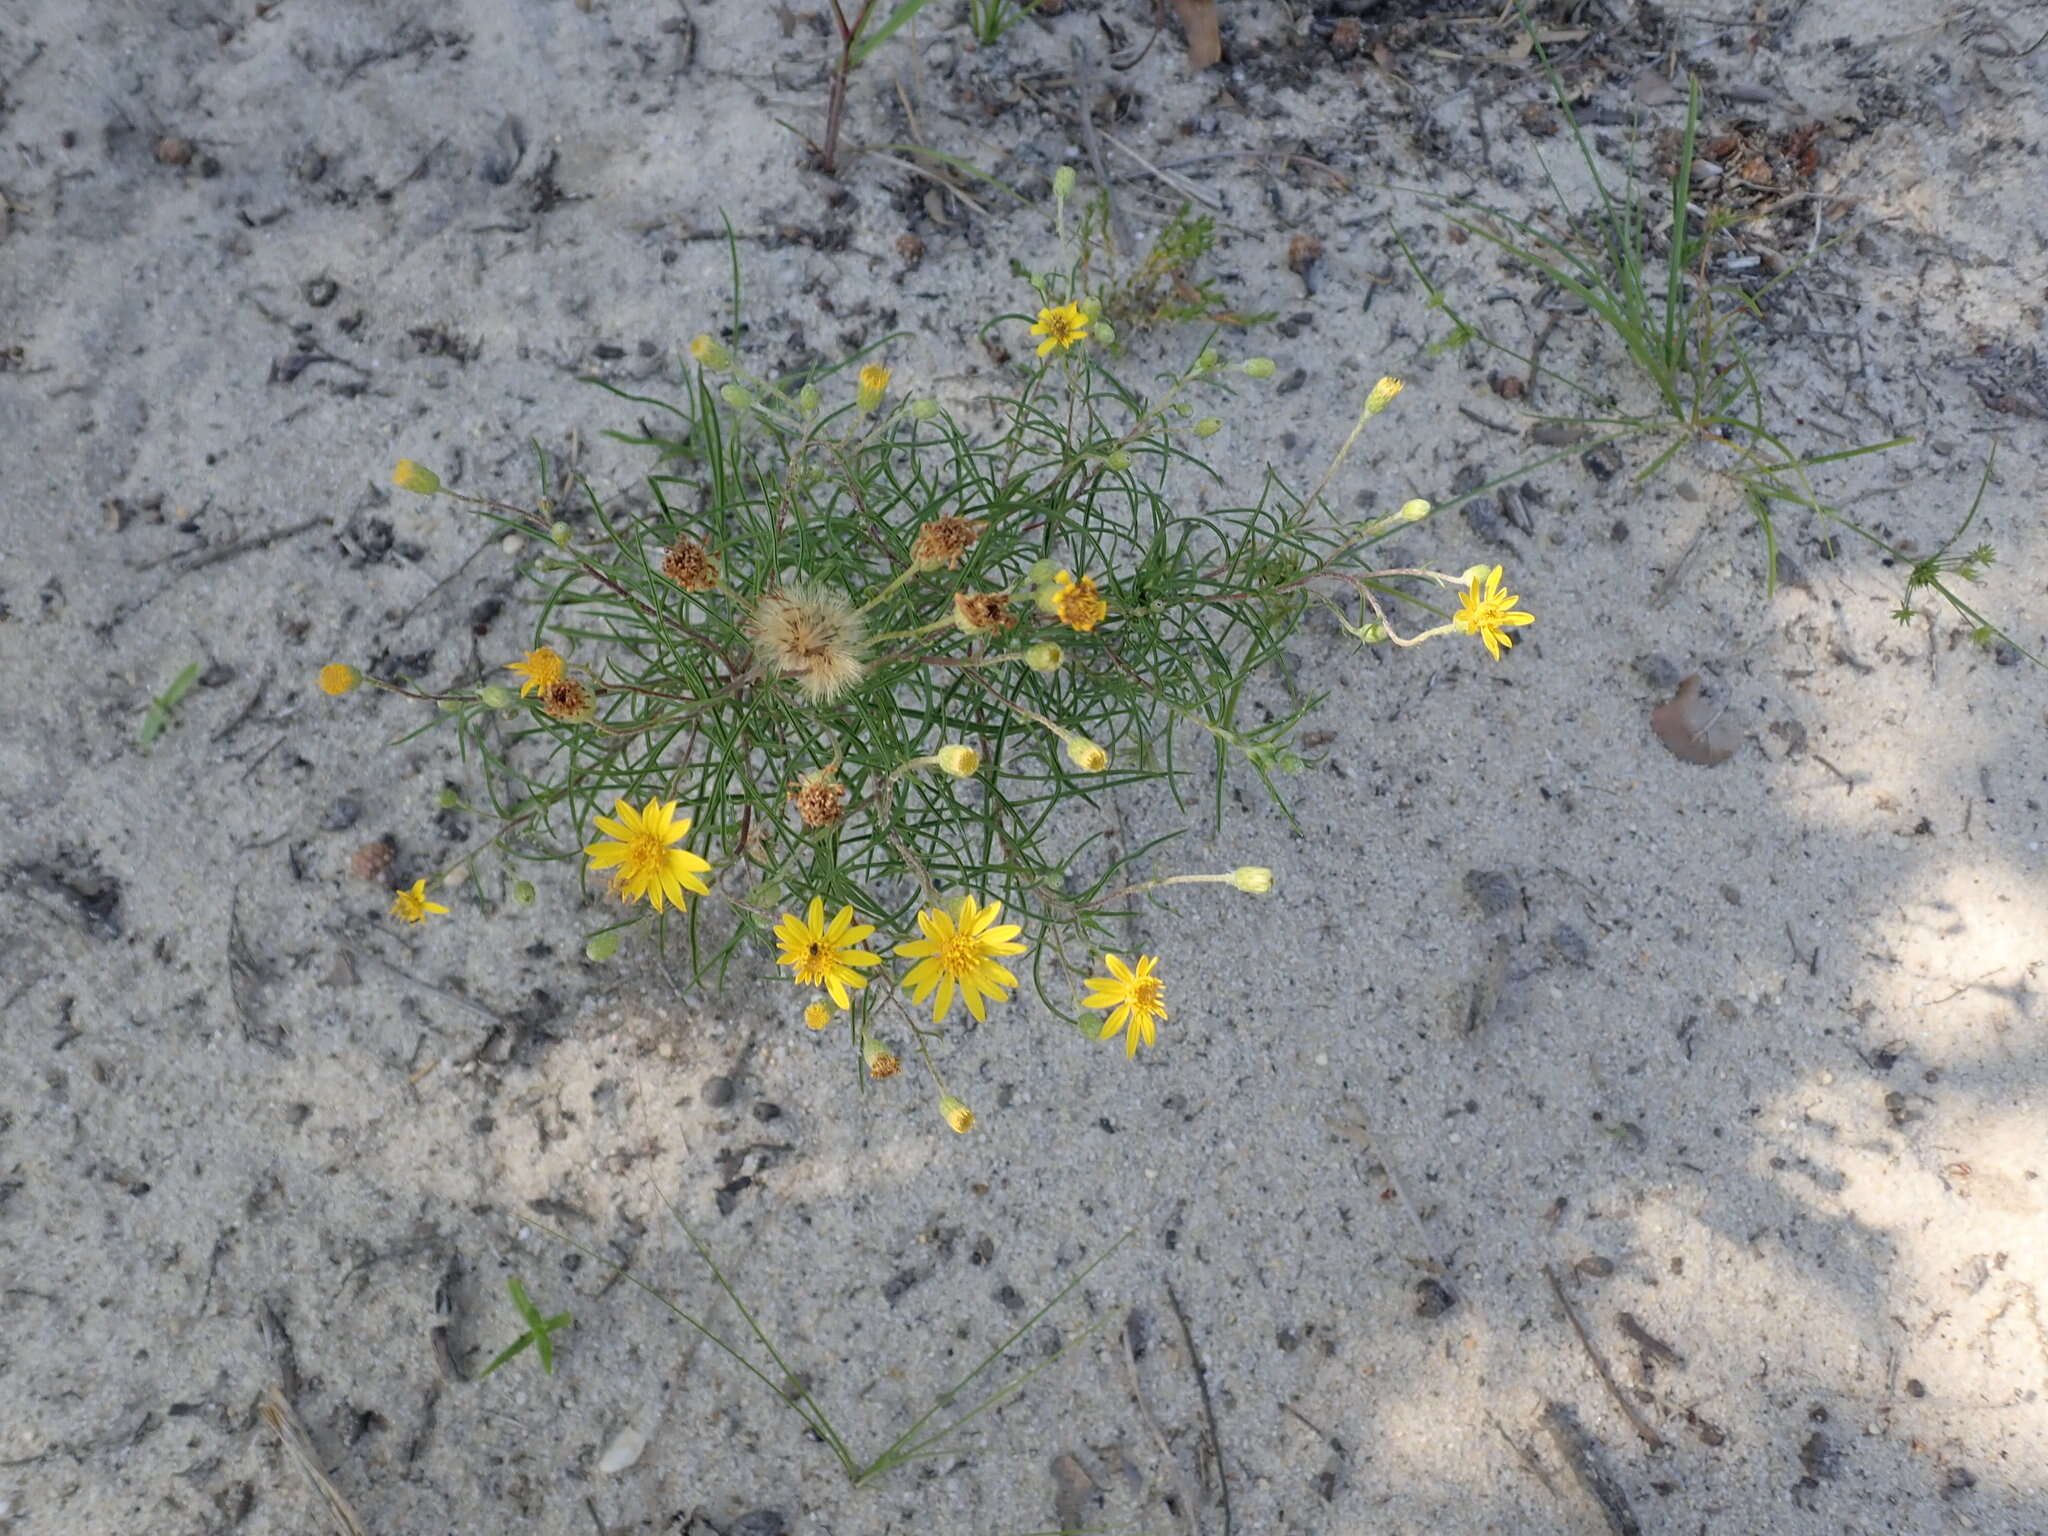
(337, 678)
(1060, 327)
(823, 953)
(412, 906)
(639, 850)
(1077, 604)
(542, 669)
(960, 949)
(1490, 613)
(1135, 998)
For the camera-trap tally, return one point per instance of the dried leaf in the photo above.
(1696, 728)
(297, 1445)
(1205, 39)
(1074, 1492)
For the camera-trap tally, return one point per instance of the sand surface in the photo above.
(1737, 1069)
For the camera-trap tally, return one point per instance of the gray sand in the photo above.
(1756, 1069)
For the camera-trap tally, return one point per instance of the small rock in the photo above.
(1432, 1300)
(1595, 1266)
(1492, 891)
(320, 291)
(1602, 463)
(373, 861)
(1819, 1457)
(719, 1091)
(1570, 946)
(765, 1111)
(759, 1522)
(171, 150)
(342, 814)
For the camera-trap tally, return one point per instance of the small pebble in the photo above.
(718, 1091)
(512, 543)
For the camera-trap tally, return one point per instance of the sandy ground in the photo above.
(1753, 1090)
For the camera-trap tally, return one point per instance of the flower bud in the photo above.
(923, 409)
(1118, 459)
(1252, 879)
(1041, 573)
(523, 892)
(1372, 632)
(1208, 426)
(1256, 367)
(960, 761)
(1063, 183)
(450, 706)
(874, 383)
(711, 352)
(807, 399)
(416, 478)
(496, 697)
(600, 947)
(561, 534)
(1105, 333)
(1413, 511)
(1091, 306)
(738, 396)
(1044, 657)
(1208, 360)
(957, 1114)
(1382, 395)
(449, 797)
(1086, 755)
(338, 677)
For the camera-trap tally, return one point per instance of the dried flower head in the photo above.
(1077, 603)
(880, 1060)
(982, 613)
(820, 798)
(570, 700)
(690, 565)
(338, 677)
(942, 542)
(810, 635)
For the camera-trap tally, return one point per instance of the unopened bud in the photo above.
(807, 399)
(560, 534)
(960, 761)
(523, 892)
(738, 396)
(600, 947)
(1382, 395)
(1086, 755)
(1208, 426)
(416, 478)
(711, 352)
(1091, 306)
(1257, 367)
(957, 1114)
(923, 409)
(1208, 360)
(1117, 459)
(1063, 183)
(1104, 332)
(495, 697)
(1252, 880)
(1044, 657)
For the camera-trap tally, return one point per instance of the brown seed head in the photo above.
(820, 798)
(942, 542)
(983, 613)
(690, 565)
(883, 1064)
(569, 699)
(811, 635)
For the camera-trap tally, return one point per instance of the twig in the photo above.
(1130, 1363)
(291, 1434)
(184, 565)
(1641, 1425)
(1084, 95)
(1524, 1455)
(1356, 1129)
(1208, 1407)
(1179, 184)
(1576, 1448)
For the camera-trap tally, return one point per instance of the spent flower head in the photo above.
(1076, 603)
(690, 565)
(942, 542)
(811, 635)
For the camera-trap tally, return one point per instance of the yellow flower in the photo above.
(1060, 327)
(1489, 614)
(960, 948)
(639, 850)
(823, 954)
(1077, 603)
(817, 1015)
(413, 905)
(957, 1114)
(416, 478)
(1382, 395)
(337, 678)
(1136, 998)
(1252, 879)
(541, 669)
(1086, 755)
(874, 383)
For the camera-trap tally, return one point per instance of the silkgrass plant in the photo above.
(861, 673)
(1686, 330)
